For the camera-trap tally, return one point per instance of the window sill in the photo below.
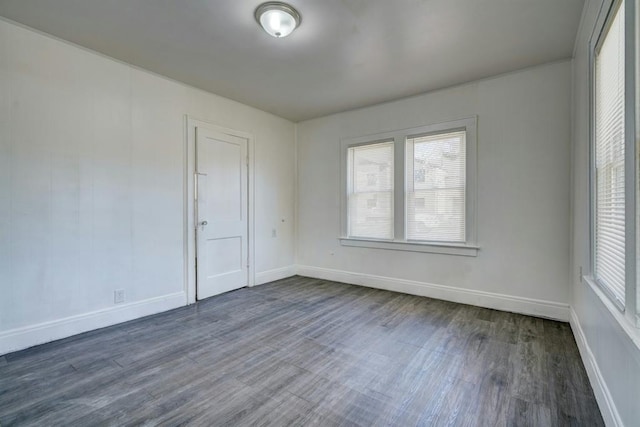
(436, 248)
(629, 325)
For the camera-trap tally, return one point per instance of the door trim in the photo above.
(190, 124)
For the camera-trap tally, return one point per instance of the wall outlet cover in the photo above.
(118, 296)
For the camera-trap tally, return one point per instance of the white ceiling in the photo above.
(346, 54)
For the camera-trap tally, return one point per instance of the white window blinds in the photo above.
(609, 159)
(370, 191)
(435, 196)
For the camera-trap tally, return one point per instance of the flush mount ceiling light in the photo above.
(277, 19)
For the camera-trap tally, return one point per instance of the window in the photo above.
(370, 191)
(613, 153)
(609, 228)
(411, 189)
(436, 181)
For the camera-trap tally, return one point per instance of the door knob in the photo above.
(203, 223)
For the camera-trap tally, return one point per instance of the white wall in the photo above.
(611, 357)
(523, 194)
(92, 180)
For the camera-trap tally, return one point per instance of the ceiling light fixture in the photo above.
(277, 19)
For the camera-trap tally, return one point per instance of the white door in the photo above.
(221, 212)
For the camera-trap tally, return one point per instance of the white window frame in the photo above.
(400, 242)
(627, 314)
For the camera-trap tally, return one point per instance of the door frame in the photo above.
(190, 274)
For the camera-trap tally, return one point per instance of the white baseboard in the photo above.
(275, 274)
(21, 338)
(28, 336)
(600, 389)
(529, 306)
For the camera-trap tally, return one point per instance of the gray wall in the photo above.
(92, 187)
(523, 188)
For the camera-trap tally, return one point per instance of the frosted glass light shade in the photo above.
(277, 19)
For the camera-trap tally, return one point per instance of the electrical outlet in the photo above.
(118, 296)
(274, 233)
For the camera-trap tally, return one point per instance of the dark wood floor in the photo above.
(306, 352)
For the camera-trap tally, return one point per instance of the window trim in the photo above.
(399, 242)
(628, 310)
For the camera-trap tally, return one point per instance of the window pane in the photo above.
(436, 178)
(370, 191)
(609, 160)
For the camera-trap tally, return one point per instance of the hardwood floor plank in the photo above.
(525, 414)
(528, 374)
